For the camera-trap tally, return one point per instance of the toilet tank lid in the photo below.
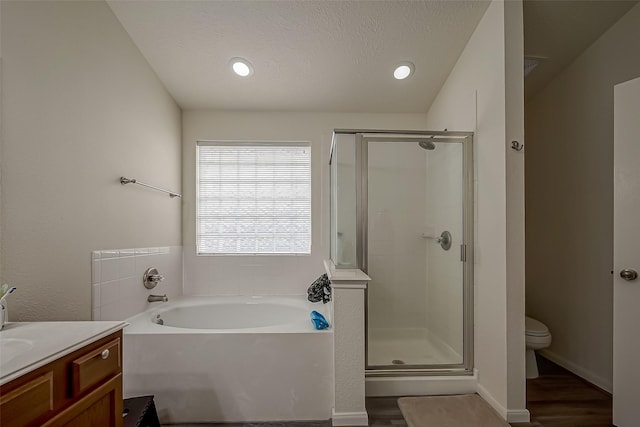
(535, 327)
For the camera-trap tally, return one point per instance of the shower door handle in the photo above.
(629, 274)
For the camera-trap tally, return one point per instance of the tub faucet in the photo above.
(157, 298)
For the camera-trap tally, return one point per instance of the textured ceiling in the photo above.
(558, 31)
(313, 55)
(338, 55)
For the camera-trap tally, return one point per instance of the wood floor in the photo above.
(558, 398)
(384, 412)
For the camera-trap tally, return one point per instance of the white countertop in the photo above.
(26, 346)
(345, 278)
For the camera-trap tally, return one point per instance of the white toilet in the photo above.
(537, 336)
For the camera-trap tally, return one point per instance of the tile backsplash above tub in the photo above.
(117, 288)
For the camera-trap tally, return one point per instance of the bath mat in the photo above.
(465, 410)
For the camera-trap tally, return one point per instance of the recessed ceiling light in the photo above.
(403, 70)
(241, 67)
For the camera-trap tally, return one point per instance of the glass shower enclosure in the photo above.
(402, 212)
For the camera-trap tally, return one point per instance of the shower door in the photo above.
(415, 207)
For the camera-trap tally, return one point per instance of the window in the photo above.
(253, 198)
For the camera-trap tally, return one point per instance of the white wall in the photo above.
(514, 131)
(475, 98)
(233, 275)
(569, 199)
(117, 275)
(80, 107)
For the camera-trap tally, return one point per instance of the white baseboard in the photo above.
(349, 418)
(488, 397)
(597, 380)
(510, 415)
(518, 416)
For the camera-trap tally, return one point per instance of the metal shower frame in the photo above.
(362, 137)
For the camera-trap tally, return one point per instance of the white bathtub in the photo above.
(231, 359)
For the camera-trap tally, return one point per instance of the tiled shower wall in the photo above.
(117, 288)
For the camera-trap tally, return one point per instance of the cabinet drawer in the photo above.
(28, 402)
(95, 366)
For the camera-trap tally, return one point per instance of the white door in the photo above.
(626, 255)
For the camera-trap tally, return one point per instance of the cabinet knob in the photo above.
(105, 354)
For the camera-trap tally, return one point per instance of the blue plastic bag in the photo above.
(319, 321)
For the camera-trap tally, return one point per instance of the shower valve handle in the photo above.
(151, 278)
(444, 240)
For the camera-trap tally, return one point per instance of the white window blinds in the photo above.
(253, 198)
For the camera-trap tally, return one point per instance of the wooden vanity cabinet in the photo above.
(82, 389)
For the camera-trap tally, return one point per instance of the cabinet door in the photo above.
(100, 408)
(28, 403)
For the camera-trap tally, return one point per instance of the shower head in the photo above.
(427, 145)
